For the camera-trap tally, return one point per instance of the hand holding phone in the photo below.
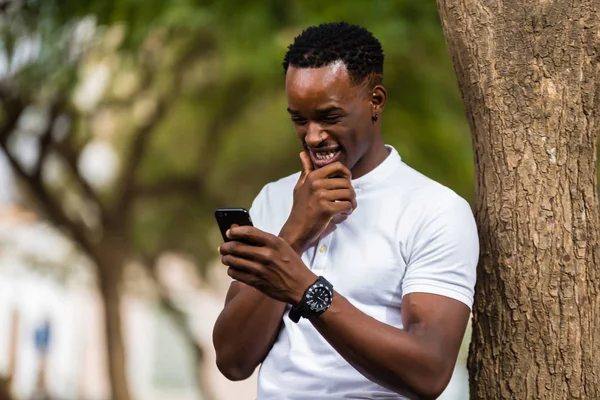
(226, 217)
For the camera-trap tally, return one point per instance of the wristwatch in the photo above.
(315, 301)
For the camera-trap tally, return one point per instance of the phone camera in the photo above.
(225, 214)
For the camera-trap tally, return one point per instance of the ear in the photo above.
(378, 99)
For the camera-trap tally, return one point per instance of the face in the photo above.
(333, 117)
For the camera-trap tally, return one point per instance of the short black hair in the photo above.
(321, 45)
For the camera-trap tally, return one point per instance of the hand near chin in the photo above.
(319, 203)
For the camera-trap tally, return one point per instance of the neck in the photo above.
(376, 154)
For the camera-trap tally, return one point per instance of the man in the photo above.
(374, 261)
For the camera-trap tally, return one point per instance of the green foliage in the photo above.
(224, 130)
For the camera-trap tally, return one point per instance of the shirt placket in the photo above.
(321, 254)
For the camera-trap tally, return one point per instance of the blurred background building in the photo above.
(123, 125)
(35, 299)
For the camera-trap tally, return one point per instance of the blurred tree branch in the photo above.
(171, 186)
(55, 212)
(12, 106)
(121, 212)
(70, 155)
(45, 139)
(141, 137)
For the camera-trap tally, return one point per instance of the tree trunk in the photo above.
(529, 76)
(109, 274)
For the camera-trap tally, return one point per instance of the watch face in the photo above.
(318, 298)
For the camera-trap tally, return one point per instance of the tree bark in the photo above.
(114, 341)
(529, 73)
(110, 266)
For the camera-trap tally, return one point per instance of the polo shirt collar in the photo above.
(380, 172)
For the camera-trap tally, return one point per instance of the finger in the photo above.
(241, 276)
(341, 195)
(331, 227)
(307, 166)
(332, 183)
(341, 207)
(246, 251)
(249, 234)
(338, 194)
(339, 218)
(242, 264)
(336, 169)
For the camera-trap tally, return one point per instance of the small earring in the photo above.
(374, 117)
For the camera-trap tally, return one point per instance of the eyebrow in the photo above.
(321, 111)
(329, 109)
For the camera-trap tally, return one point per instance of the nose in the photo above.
(314, 134)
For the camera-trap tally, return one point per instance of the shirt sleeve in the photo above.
(259, 210)
(444, 257)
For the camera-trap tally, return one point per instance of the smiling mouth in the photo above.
(321, 155)
(321, 158)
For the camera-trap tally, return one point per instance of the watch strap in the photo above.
(296, 310)
(302, 309)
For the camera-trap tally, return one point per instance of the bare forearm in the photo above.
(245, 332)
(248, 326)
(389, 356)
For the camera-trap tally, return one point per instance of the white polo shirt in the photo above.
(408, 234)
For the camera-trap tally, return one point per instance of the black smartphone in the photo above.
(229, 216)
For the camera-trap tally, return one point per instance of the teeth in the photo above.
(325, 155)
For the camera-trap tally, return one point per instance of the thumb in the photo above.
(307, 166)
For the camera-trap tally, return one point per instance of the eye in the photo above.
(332, 119)
(298, 120)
